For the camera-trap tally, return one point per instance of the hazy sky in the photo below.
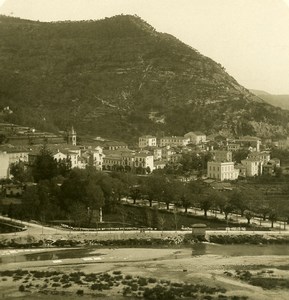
(250, 38)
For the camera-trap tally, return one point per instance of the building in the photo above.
(222, 156)
(233, 147)
(222, 170)
(263, 156)
(145, 161)
(196, 137)
(174, 141)
(249, 142)
(4, 165)
(147, 141)
(72, 137)
(159, 164)
(157, 152)
(242, 170)
(114, 145)
(127, 160)
(253, 166)
(93, 157)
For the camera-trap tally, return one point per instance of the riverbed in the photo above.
(201, 263)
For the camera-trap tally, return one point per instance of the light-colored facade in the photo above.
(233, 147)
(253, 167)
(17, 156)
(174, 141)
(222, 170)
(157, 153)
(196, 137)
(147, 141)
(128, 159)
(72, 137)
(144, 161)
(263, 156)
(4, 165)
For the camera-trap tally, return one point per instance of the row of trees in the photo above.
(78, 194)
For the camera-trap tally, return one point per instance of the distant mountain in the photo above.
(120, 78)
(276, 100)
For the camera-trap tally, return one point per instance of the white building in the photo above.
(174, 141)
(253, 166)
(4, 165)
(147, 141)
(263, 156)
(222, 170)
(144, 160)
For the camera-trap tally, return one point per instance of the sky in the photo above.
(250, 38)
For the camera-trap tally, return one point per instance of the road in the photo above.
(281, 226)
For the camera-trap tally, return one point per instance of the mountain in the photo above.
(276, 100)
(120, 78)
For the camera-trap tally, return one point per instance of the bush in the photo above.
(21, 288)
(116, 272)
(79, 292)
(55, 284)
(142, 281)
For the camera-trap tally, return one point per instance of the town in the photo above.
(227, 158)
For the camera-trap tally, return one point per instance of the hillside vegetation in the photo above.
(276, 100)
(119, 78)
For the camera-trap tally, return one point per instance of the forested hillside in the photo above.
(119, 78)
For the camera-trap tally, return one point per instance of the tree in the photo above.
(272, 217)
(21, 172)
(240, 155)
(227, 209)
(78, 213)
(95, 197)
(45, 166)
(238, 200)
(248, 215)
(206, 202)
(31, 203)
(135, 193)
(3, 138)
(186, 198)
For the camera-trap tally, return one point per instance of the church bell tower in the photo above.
(72, 136)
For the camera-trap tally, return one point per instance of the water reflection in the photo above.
(239, 250)
(53, 255)
(197, 250)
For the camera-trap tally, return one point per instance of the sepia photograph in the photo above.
(144, 149)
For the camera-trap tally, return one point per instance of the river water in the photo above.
(197, 250)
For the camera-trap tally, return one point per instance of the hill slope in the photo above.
(119, 78)
(275, 100)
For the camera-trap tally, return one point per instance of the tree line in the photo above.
(62, 193)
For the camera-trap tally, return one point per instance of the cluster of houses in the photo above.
(152, 153)
(257, 163)
(221, 167)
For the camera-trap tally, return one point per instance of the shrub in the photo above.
(55, 284)
(79, 292)
(142, 281)
(21, 288)
(116, 272)
(126, 290)
(152, 280)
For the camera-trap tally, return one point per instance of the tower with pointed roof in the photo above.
(72, 136)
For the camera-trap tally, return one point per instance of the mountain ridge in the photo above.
(118, 71)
